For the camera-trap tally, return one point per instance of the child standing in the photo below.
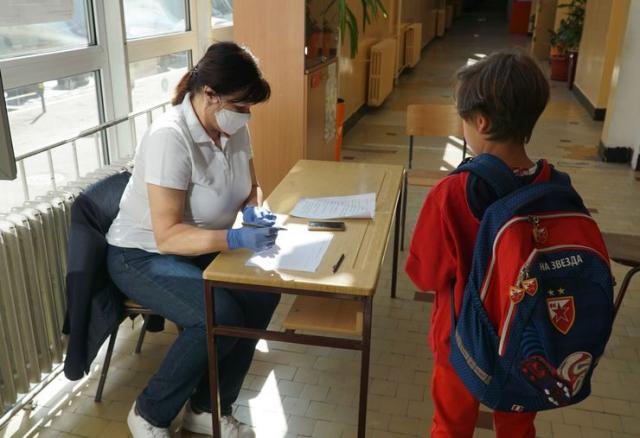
(500, 100)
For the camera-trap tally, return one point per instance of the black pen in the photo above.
(338, 263)
(246, 224)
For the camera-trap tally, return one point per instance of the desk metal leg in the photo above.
(364, 345)
(403, 203)
(396, 238)
(404, 191)
(410, 151)
(364, 369)
(209, 297)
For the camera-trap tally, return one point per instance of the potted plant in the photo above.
(347, 20)
(558, 58)
(313, 35)
(566, 41)
(327, 39)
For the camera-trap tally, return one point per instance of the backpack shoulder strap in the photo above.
(493, 171)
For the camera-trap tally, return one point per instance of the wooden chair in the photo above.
(623, 249)
(131, 309)
(104, 197)
(427, 120)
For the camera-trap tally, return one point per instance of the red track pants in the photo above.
(456, 410)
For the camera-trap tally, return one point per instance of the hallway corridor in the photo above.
(294, 391)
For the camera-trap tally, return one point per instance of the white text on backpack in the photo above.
(565, 262)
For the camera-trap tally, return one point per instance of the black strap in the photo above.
(493, 171)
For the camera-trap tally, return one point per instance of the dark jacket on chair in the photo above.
(94, 304)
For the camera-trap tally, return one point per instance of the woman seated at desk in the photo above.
(193, 173)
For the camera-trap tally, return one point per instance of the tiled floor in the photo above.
(297, 391)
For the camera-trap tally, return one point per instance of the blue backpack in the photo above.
(540, 259)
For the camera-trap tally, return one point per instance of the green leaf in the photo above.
(348, 22)
(380, 5)
(342, 12)
(352, 23)
(365, 14)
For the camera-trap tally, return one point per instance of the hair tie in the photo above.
(194, 71)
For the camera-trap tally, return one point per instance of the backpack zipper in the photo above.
(530, 218)
(524, 274)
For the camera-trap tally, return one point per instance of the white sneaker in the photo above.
(141, 428)
(201, 423)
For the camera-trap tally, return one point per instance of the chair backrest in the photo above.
(432, 120)
(105, 196)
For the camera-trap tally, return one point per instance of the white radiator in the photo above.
(413, 44)
(381, 71)
(33, 265)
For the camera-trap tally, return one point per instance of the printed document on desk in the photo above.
(296, 249)
(337, 207)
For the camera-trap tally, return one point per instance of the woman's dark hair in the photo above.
(228, 69)
(509, 89)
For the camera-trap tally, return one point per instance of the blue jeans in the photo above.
(172, 286)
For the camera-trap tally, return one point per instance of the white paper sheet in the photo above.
(296, 249)
(337, 207)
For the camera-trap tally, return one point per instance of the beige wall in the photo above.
(353, 77)
(621, 123)
(420, 11)
(545, 20)
(353, 72)
(601, 39)
(560, 14)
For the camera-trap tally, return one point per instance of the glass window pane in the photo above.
(32, 27)
(145, 18)
(221, 13)
(41, 114)
(154, 80)
(321, 32)
(89, 153)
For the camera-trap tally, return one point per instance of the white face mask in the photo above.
(230, 121)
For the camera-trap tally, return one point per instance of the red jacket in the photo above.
(442, 246)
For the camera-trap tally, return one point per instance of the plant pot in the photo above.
(327, 39)
(573, 65)
(559, 68)
(555, 51)
(339, 125)
(313, 45)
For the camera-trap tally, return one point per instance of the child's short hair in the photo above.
(509, 89)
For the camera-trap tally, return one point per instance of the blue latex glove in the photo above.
(258, 216)
(255, 239)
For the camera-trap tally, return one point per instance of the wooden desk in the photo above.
(364, 244)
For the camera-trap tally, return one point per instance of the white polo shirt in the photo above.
(176, 152)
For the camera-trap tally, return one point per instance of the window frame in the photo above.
(107, 55)
(37, 68)
(219, 33)
(8, 169)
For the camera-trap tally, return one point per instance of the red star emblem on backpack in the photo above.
(562, 313)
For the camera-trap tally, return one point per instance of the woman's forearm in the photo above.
(188, 240)
(255, 197)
